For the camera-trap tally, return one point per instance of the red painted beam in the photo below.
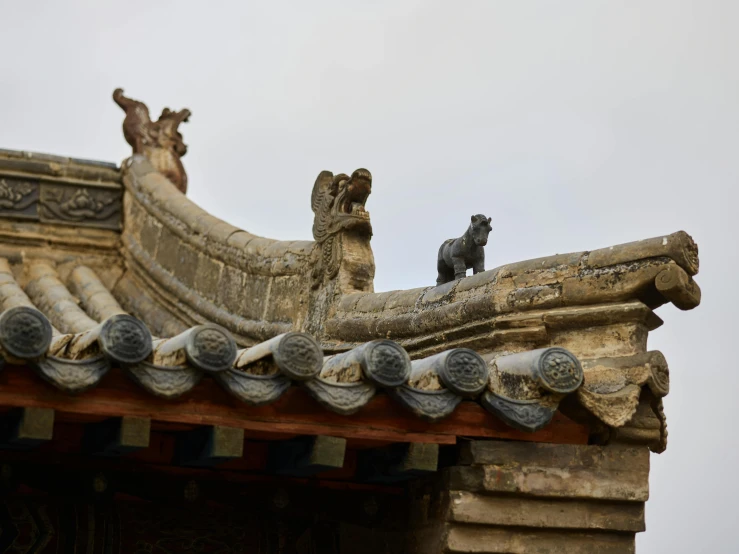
(296, 413)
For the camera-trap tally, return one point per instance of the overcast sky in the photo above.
(574, 125)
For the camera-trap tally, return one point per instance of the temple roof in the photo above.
(106, 270)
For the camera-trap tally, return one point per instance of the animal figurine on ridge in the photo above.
(160, 141)
(458, 255)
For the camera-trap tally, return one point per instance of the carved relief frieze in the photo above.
(66, 203)
(80, 206)
(19, 198)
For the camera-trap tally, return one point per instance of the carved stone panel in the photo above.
(86, 206)
(19, 198)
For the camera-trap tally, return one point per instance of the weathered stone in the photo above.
(231, 289)
(348, 302)
(463, 539)
(466, 507)
(675, 285)
(187, 263)
(282, 305)
(239, 239)
(677, 246)
(541, 297)
(158, 140)
(477, 280)
(372, 302)
(610, 284)
(438, 293)
(625, 339)
(220, 232)
(150, 234)
(166, 253)
(404, 298)
(554, 456)
(207, 276)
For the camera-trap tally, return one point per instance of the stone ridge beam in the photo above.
(619, 274)
(58, 167)
(253, 286)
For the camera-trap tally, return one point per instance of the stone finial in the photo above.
(456, 256)
(159, 141)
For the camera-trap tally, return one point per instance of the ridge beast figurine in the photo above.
(342, 224)
(457, 255)
(159, 140)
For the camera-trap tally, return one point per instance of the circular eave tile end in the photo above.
(211, 348)
(387, 363)
(560, 371)
(299, 356)
(125, 339)
(25, 332)
(465, 372)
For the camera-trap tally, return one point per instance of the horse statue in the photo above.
(456, 256)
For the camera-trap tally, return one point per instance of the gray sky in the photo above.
(575, 125)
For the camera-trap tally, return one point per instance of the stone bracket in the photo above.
(209, 446)
(26, 427)
(307, 455)
(117, 436)
(398, 462)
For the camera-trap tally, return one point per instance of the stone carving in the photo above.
(388, 364)
(690, 253)
(72, 376)
(165, 382)
(456, 256)
(159, 141)
(526, 415)
(210, 348)
(24, 332)
(125, 339)
(560, 371)
(659, 375)
(255, 390)
(18, 196)
(676, 286)
(465, 372)
(428, 405)
(342, 398)
(338, 203)
(299, 356)
(81, 206)
(382, 362)
(460, 370)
